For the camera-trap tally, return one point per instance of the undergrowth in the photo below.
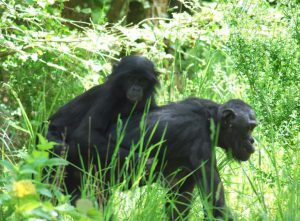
(233, 49)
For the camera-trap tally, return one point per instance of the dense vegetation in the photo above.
(230, 49)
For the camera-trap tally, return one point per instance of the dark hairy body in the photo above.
(188, 147)
(84, 121)
(132, 80)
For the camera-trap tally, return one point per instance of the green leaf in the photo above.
(57, 162)
(29, 206)
(95, 214)
(44, 144)
(86, 11)
(65, 208)
(28, 171)
(44, 191)
(9, 166)
(4, 198)
(42, 140)
(84, 205)
(40, 154)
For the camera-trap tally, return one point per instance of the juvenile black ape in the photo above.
(132, 80)
(84, 121)
(188, 146)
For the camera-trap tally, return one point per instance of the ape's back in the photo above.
(66, 119)
(176, 124)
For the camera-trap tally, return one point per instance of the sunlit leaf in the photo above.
(9, 166)
(57, 162)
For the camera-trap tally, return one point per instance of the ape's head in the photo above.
(134, 77)
(237, 121)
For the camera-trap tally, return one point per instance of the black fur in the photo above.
(188, 146)
(105, 101)
(84, 121)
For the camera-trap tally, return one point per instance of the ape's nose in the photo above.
(136, 89)
(251, 140)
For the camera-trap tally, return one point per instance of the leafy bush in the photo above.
(271, 68)
(245, 49)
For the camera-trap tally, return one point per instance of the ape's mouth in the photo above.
(249, 149)
(133, 99)
(240, 154)
(244, 154)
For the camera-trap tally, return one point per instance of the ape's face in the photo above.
(242, 127)
(236, 132)
(135, 78)
(136, 87)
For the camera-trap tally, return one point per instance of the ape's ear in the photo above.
(228, 114)
(114, 64)
(114, 70)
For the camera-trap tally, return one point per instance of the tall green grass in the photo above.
(246, 49)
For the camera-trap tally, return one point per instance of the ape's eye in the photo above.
(130, 78)
(142, 82)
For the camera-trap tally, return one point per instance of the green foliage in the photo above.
(271, 68)
(244, 49)
(21, 196)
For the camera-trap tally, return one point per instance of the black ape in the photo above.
(132, 80)
(188, 146)
(84, 121)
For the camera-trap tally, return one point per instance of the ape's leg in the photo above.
(183, 198)
(206, 175)
(86, 153)
(72, 182)
(92, 144)
(212, 190)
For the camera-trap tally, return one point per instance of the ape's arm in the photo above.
(94, 137)
(63, 123)
(207, 178)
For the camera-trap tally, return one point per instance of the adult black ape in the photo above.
(132, 80)
(84, 120)
(187, 155)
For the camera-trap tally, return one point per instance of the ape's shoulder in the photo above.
(77, 106)
(201, 106)
(194, 101)
(194, 105)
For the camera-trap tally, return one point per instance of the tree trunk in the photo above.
(115, 9)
